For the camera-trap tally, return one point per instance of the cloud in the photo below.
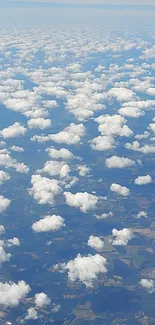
(84, 268)
(104, 215)
(119, 162)
(48, 223)
(2, 230)
(131, 112)
(39, 123)
(72, 134)
(13, 241)
(55, 168)
(17, 149)
(135, 146)
(13, 131)
(141, 214)
(147, 284)
(3, 177)
(41, 300)
(122, 190)
(60, 154)
(96, 243)
(44, 189)
(103, 143)
(82, 200)
(11, 293)
(142, 180)
(4, 203)
(31, 314)
(113, 125)
(121, 94)
(121, 237)
(83, 170)
(152, 126)
(8, 162)
(4, 257)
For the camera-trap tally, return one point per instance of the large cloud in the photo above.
(119, 162)
(82, 200)
(84, 268)
(11, 293)
(142, 180)
(13, 131)
(122, 190)
(121, 237)
(48, 223)
(4, 203)
(44, 189)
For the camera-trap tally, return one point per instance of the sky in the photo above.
(94, 2)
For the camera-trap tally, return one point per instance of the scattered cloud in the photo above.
(142, 180)
(48, 223)
(122, 190)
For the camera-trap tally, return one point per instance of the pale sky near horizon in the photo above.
(94, 2)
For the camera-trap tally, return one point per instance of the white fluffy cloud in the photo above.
(113, 125)
(11, 293)
(13, 241)
(44, 189)
(4, 257)
(119, 162)
(4, 203)
(39, 123)
(72, 134)
(122, 190)
(3, 176)
(103, 143)
(82, 200)
(41, 300)
(131, 112)
(121, 94)
(135, 146)
(142, 180)
(48, 223)
(121, 237)
(7, 161)
(55, 168)
(31, 314)
(84, 268)
(13, 131)
(96, 243)
(147, 284)
(60, 154)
